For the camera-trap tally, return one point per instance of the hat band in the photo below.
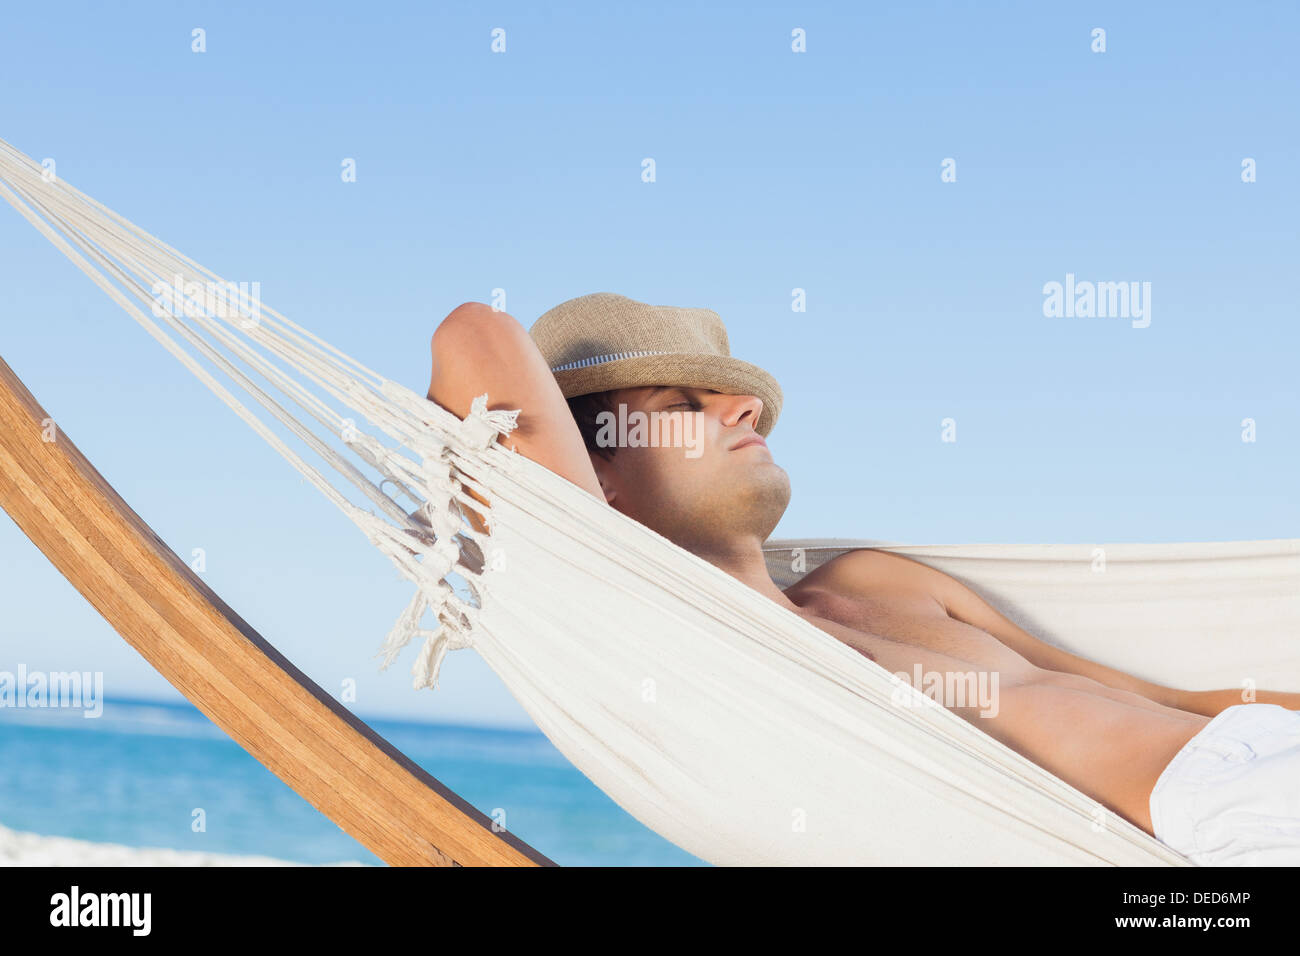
(602, 359)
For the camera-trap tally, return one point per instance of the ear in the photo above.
(605, 475)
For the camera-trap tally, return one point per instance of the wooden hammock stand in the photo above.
(225, 668)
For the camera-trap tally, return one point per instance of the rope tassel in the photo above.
(407, 626)
(481, 426)
(437, 643)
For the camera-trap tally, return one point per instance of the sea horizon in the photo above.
(159, 774)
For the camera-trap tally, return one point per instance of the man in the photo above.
(1107, 733)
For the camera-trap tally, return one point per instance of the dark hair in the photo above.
(585, 408)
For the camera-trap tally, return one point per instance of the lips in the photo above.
(751, 440)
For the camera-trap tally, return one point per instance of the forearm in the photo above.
(1211, 702)
(476, 350)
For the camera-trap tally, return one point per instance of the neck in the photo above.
(743, 560)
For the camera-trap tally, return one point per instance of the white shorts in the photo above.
(1231, 796)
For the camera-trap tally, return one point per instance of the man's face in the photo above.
(696, 488)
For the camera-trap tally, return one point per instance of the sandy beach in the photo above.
(33, 849)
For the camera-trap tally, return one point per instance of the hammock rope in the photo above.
(91, 235)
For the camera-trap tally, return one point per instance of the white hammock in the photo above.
(729, 725)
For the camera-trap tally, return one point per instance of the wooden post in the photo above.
(233, 675)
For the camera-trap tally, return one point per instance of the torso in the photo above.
(1110, 744)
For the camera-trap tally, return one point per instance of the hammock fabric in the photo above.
(729, 725)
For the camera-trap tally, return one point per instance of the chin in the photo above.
(763, 499)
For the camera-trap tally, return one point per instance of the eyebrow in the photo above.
(656, 389)
(681, 388)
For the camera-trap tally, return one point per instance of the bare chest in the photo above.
(902, 633)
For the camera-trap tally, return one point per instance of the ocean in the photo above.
(136, 775)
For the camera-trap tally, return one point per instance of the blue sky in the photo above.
(774, 171)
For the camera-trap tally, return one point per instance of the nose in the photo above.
(737, 407)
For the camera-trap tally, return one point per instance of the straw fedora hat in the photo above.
(604, 341)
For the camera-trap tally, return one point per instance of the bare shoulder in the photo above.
(868, 572)
(871, 586)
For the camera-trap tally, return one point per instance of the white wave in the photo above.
(33, 849)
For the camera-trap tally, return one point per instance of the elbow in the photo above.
(475, 334)
(471, 322)
(470, 348)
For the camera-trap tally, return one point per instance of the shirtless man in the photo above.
(1105, 732)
